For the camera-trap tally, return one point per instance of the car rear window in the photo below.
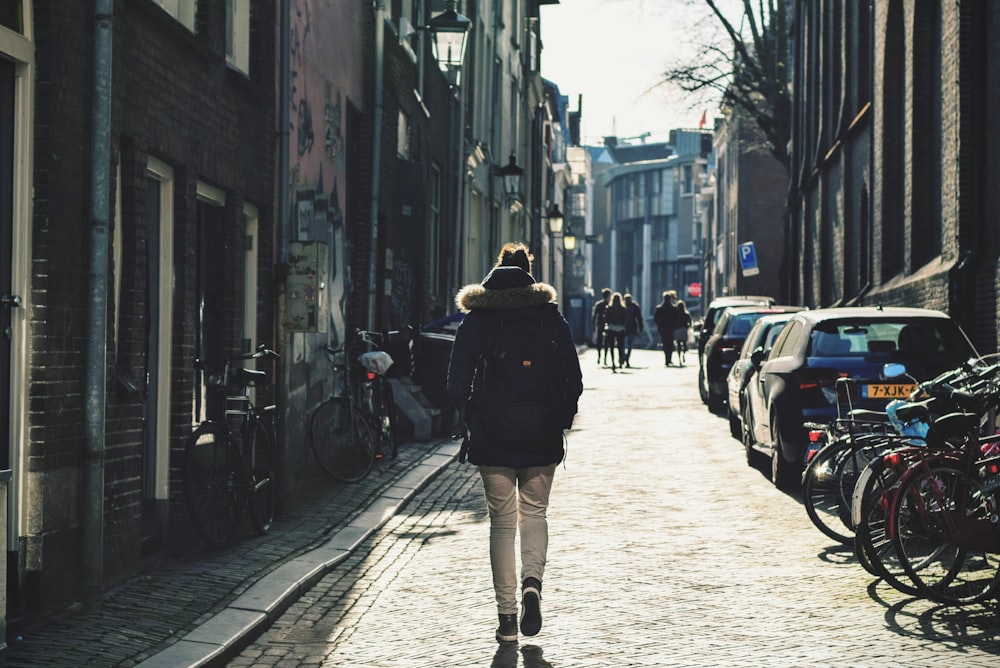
(899, 338)
(740, 325)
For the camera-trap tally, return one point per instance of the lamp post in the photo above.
(511, 174)
(449, 37)
(555, 218)
(569, 239)
(450, 33)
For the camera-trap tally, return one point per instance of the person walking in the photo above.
(516, 441)
(633, 327)
(616, 316)
(598, 321)
(665, 317)
(682, 333)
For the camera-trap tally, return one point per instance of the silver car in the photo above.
(761, 336)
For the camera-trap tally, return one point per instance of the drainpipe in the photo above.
(284, 104)
(376, 158)
(100, 190)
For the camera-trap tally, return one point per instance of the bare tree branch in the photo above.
(750, 72)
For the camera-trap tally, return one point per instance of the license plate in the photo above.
(887, 390)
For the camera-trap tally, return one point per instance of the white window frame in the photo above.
(164, 174)
(251, 223)
(20, 48)
(238, 34)
(182, 10)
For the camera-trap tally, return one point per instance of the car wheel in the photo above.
(748, 437)
(735, 427)
(702, 389)
(783, 475)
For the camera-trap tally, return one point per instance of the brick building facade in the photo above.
(893, 187)
(190, 255)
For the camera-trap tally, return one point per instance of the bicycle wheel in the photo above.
(821, 492)
(873, 546)
(943, 536)
(342, 440)
(214, 499)
(262, 488)
(387, 420)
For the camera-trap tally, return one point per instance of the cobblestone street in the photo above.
(666, 549)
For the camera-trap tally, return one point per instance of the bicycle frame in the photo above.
(229, 466)
(961, 527)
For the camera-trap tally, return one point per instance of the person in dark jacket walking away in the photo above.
(616, 316)
(598, 322)
(516, 469)
(665, 317)
(633, 327)
(682, 333)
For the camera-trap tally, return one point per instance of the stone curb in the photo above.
(225, 634)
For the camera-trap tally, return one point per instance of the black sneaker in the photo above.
(531, 607)
(507, 631)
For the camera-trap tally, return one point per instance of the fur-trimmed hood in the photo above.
(505, 287)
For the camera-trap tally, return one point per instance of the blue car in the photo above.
(797, 380)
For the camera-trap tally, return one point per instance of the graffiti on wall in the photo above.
(316, 208)
(400, 298)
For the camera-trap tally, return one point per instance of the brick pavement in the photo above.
(175, 599)
(665, 550)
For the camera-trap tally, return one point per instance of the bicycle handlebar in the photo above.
(262, 351)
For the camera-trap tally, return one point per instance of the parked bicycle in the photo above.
(229, 466)
(925, 512)
(356, 424)
(376, 394)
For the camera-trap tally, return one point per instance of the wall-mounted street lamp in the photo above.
(450, 32)
(569, 239)
(555, 218)
(511, 175)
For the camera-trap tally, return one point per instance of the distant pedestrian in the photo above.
(614, 338)
(665, 317)
(515, 436)
(633, 326)
(597, 322)
(683, 332)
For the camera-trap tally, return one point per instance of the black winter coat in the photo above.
(506, 289)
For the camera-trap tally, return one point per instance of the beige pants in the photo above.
(517, 500)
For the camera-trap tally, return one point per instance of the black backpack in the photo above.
(521, 395)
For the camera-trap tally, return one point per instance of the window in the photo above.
(182, 10)
(687, 176)
(11, 16)
(238, 34)
(403, 136)
(667, 193)
(787, 340)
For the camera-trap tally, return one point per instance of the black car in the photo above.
(798, 380)
(723, 348)
(714, 310)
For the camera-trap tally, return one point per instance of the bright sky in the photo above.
(613, 52)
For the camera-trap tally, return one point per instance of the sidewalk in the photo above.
(199, 610)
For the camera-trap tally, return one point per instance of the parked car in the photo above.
(716, 306)
(723, 348)
(798, 379)
(761, 338)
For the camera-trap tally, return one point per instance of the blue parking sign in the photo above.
(748, 259)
